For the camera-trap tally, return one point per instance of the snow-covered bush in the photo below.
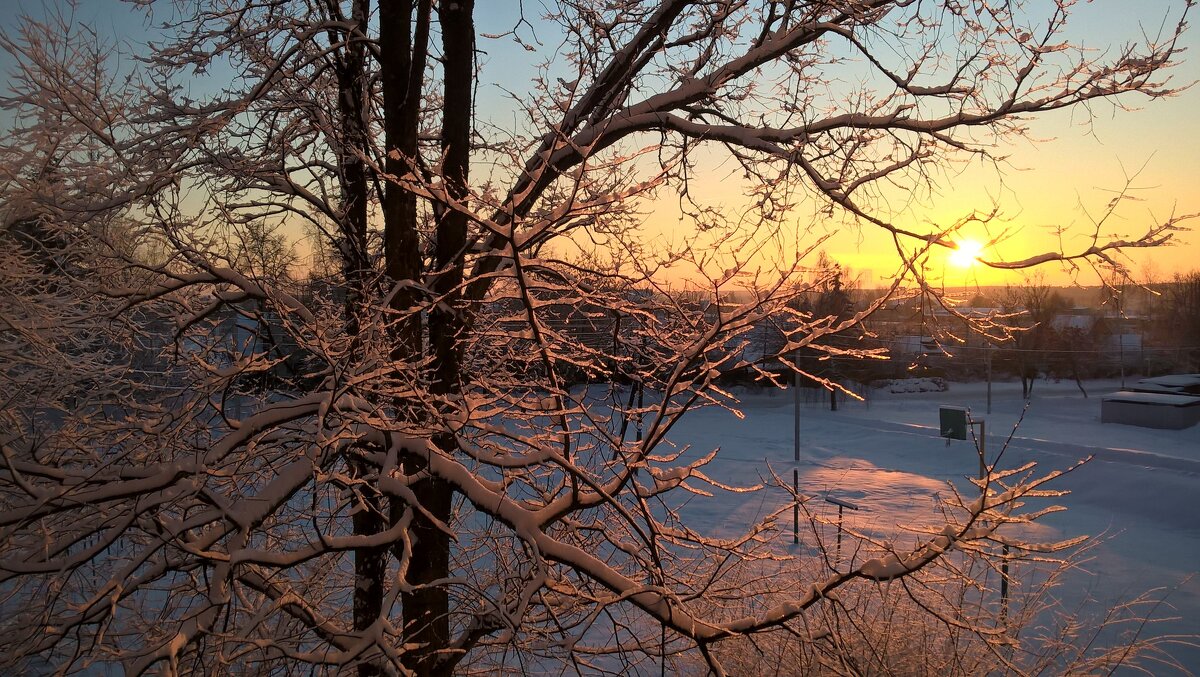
(914, 385)
(951, 620)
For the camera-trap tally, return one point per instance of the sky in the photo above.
(1064, 176)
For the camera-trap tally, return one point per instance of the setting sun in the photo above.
(966, 254)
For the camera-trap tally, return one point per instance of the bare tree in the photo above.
(1180, 309)
(406, 502)
(827, 297)
(1033, 306)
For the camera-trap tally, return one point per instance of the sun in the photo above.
(966, 254)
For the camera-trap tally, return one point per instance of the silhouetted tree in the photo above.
(406, 504)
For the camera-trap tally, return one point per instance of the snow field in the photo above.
(1140, 494)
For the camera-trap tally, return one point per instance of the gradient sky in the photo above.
(1064, 178)
(1064, 175)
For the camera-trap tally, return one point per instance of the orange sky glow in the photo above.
(1051, 193)
(1054, 185)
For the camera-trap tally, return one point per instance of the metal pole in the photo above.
(1004, 586)
(663, 649)
(841, 505)
(1004, 551)
(796, 448)
(641, 390)
(1121, 327)
(839, 542)
(796, 412)
(796, 506)
(982, 450)
(1121, 345)
(989, 380)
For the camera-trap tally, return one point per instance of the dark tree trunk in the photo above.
(403, 53)
(1076, 376)
(426, 609)
(369, 563)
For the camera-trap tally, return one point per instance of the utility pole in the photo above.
(989, 378)
(982, 448)
(796, 443)
(1004, 549)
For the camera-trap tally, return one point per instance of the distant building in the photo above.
(1167, 402)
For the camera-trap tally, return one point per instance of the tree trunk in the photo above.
(369, 562)
(403, 53)
(1078, 380)
(426, 609)
(1028, 376)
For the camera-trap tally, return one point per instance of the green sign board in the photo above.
(953, 422)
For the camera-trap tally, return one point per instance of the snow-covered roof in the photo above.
(1082, 322)
(1165, 399)
(1141, 387)
(1176, 384)
(1172, 380)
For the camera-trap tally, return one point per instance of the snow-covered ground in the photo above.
(1141, 493)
